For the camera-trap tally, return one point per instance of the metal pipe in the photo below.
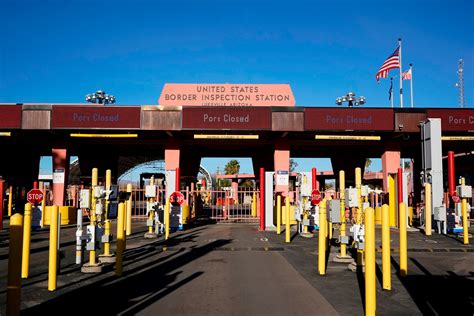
(386, 273)
(278, 214)
(370, 285)
(53, 249)
(287, 215)
(129, 210)
(120, 239)
(314, 182)
(403, 240)
(25, 260)
(342, 210)
(322, 238)
(451, 173)
(262, 199)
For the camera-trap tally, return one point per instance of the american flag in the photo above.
(406, 75)
(393, 61)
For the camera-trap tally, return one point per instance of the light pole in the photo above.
(100, 97)
(351, 98)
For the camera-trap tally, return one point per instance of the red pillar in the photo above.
(314, 179)
(262, 199)
(400, 185)
(451, 173)
(2, 182)
(35, 184)
(177, 181)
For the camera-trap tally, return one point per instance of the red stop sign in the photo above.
(315, 197)
(35, 196)
(176, 198)
(456, 199)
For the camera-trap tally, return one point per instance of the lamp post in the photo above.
(100, 97)
(351, 98)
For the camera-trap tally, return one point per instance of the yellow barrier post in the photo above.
(358, 184)
(287, 228)
(120, 240)
(428, 210)
(10, 199)
(403, 240)
(465, 231)
(95, 180)
(278, 214)
(254, 205)
(167, 219)
(322, 238)
(129, 210)
(53, 248)
(386, 273)
(410, 215)
(107, 231)
(14, 265)
(25, 261)
(370, 286)
(342, 188)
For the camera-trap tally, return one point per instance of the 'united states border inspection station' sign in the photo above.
(175, 94)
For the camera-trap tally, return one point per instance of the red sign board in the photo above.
(11, 116)
(218, 118)
(454, 120)
(35, 196)
(176, 198)
(116, 117)
(315, 197)
(359, 119)
(177, 94)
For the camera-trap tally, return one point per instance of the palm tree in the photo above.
(232, 167)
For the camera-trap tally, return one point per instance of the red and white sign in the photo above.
(315, 197)
(176, 198)
(35, 196)
(177, 94)
(456, 198)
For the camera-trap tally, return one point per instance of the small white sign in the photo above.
(282, 177)
(58, 176)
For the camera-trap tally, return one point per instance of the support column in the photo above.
(172, 156)
(282, 163)
(60, 174)
(390, 164)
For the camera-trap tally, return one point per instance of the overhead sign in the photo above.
(177, 94)
(116, 117)
(219, 118)
(348, 119)
(177, 198)
(35, 196)
(11, 116)
(454, 120)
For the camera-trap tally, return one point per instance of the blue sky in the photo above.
(58, 51)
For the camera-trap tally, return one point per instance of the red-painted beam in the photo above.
(262, 199)
(451, 173)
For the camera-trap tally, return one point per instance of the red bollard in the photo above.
(262, 199)
(451, 173)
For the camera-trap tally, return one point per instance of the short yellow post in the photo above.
(25, 260)
(14, 265)
(254, 205)
(129, 210)
(278, 214)
(464, 221)
(322, 238)
(391, 200)
(95, 180)
(358, 183)
(410, 215)
(120, 240)
(287, 228)
(151, 216)
(370, 287)
(10, 199)
(53, 248)
(403, 240)
(167, 219)
(342, 187)
(386, 273)
(428, 210)
(305, 227)
(108, 183)
(330, 230)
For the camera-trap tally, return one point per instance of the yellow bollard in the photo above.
(167, 219)
(386, 273)
(403, 240)
(279, 214)
(53, 248)
(287, 229)
(120, 240)
(14, 265)
(358, 184)
(330, 230)
(370, 286)
(305, 227)
(10, 199)
(254, 205)
(108, 183)
(95, 180)
(465, 231)
(129, 210)
(151, 216)
(410, 215)
(391, 200)
(322, 238)
(428, 210)
(342, 187)
(25, 261)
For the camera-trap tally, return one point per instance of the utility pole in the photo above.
(460, 83)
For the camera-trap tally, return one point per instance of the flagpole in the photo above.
(391, 92)
(411, 84)
(401, 80)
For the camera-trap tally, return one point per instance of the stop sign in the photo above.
(315, 197)
(456, 198)
(176, 198)
(35, 196)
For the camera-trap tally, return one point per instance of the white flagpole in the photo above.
(411, 84)
(391, 92)
(401, 80)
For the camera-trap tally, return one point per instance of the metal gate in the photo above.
(241, 206)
